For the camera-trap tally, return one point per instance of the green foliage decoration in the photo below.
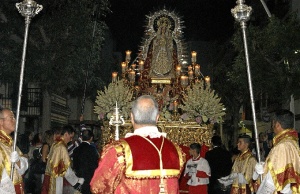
(106, 100)
(199, 101)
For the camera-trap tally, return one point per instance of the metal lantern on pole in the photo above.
(241, 13)
(28, 9)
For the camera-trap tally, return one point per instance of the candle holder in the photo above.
(116, 120)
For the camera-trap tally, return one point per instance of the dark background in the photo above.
(205, 20)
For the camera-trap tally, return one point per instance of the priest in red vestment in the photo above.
(145, 161)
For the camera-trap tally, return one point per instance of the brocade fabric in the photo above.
(57, 165)
(6, 144)
(122, 168)
(283, 161)
(245, 164)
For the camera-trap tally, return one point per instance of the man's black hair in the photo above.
(284, 117)
(67, 129)
(196, 146)
(87, 135)
(216, 140)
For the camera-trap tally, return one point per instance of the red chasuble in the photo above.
(132, 165)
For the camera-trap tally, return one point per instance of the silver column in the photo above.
(28, 9)
(241, 13)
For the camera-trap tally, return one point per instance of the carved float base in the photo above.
(182, 133)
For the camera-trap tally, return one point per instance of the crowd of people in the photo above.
(146, 161)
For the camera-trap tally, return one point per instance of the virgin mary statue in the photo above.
(162, 50)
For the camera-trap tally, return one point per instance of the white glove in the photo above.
(225, 181)
(233, 175)
(225, 177)
(255, 175)
(241, 179)
(14, 157)
(259, 168)
(81, 180)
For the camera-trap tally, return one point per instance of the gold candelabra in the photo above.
(133, 75)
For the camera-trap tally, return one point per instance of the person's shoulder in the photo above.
(59, 146)
(116, 145)
(284, 145)
(252, 157)
(203, 160)
(212, 151)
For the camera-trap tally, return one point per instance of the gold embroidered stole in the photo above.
(244, 164)
(6, 143)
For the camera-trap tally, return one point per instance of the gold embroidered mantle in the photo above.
(244, 164)
(58, 163)
(6, 143)
(283, 161)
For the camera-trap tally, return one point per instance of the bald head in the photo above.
(145, 110)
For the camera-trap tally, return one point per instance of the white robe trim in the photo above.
(192, 166)
(70, 177)
(151, 131)
(24, 165)
(267, 186)
(6, 185)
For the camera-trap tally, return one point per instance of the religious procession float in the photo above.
(189, 107)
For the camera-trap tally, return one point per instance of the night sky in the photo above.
(204, 20)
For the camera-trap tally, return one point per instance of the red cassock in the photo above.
(132, 165)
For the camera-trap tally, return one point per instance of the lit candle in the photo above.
(207, 80)
(178, 70)
(190, 68)
(133, 66)
(123, 65)
(132, 76)
(184, 80)
(191, 74)
(194, 55)
(197, 70)
(128, 53)
(141, 65)
(114, 76)
(175, 106)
